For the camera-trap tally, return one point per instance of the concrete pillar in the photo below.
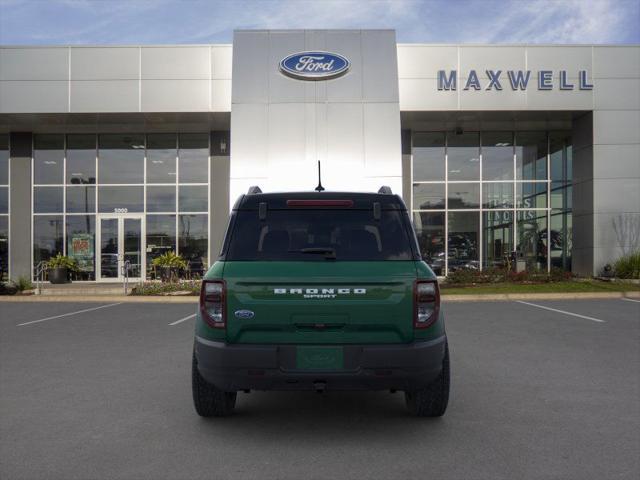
(20, 144)
(582, 251)
(219, 191)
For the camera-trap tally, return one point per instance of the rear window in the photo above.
(315, 235)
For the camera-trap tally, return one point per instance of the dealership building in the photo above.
(503, 153)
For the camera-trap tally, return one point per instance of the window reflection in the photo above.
(430, 232)
(161, 199)
(531, 155)
(497, 195)
(463, 240)
(194, 198)
(47, 237)
(47, 199)
(428, 157)
(464, 195)
(498, 238)
(193, 166)
(193, 242)
(81, 199)
(121, 158)
(81, 241)
(428, 196)
(463, 156)
(120, 199)
(48, 159)
(531, 249)
(161, 238)
(497, 156)
(81, 159)
(531, 195)
(4, 200)
(161, 158)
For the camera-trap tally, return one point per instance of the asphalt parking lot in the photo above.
(536, 393)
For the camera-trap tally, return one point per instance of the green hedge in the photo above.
(157, 288)
(628, 266)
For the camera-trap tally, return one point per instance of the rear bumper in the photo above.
(366, 367)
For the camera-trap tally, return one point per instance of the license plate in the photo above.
(319, 358)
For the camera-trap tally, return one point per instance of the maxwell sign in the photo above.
(314, 65)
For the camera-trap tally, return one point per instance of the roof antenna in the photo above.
(319, 188)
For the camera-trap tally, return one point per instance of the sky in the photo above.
(121, 22)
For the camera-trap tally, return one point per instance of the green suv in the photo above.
(320, 291)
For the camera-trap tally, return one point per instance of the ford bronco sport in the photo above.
(320, 291)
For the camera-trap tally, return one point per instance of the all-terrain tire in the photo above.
(432, 400)
(208, 400)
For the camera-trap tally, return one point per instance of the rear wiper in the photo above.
(329, 253)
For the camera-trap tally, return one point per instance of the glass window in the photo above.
(4, 159)
(463, 240)
(531, 155)
(129, 199)
(48, 159)
(531, 195)
(161, 238)
(194, 198)
(193, 235)
(463, 156)
(498, 238)
(561, 195)
(81, 199)
(430, 232)
(47, 199)
(162, 199)
(464, 195)
(193, 164)
(81, 159)
(81, 243)
(4, 199)
(47, 237)
(428, 196)
(497, 156)
(121, 159)
(4, 247)
(559, 156)
(561, 239)
(497, 195)
(161, 158)
(428, 157)
(531, 249)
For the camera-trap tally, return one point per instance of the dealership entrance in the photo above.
(121, 246)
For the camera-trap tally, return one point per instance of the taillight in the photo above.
(426, 303)
(213, 303)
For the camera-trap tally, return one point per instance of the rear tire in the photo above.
(208, 400)
(432, 400)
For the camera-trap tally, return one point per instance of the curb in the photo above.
(100, 298)
(490, 297)
(504, 297)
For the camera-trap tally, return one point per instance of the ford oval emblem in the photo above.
(314, 65)
(244, 314)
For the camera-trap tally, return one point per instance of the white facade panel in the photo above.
(39, 96)
(424, 61)
(379, 66)
(494, 57)
(159, 63)
(559, 99)
(347, 88)
(254, 69)
(616, 127)
(416, 94)
(221, 62)
(616, 94)
(621, 61)
(89, 96)
(556, 58)
(221, 95)
(175, 95)
(110, 63)
(281, 87)
(34, 63)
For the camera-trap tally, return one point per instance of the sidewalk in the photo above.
(502, 297)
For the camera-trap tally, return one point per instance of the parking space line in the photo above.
(68, 314)
(562, 311)
(630, 300)
(182, 320)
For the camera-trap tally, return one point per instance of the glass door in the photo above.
(120, 240)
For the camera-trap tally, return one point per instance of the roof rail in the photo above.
(253, 190)
(385, 190)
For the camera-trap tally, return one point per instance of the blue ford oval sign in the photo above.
(244, 314)
(314, 65)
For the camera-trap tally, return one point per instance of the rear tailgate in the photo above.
(320, 302)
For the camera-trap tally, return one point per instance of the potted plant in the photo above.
(170, 266)
(59, 268)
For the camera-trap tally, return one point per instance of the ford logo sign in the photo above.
(314, 65)
(244, 314)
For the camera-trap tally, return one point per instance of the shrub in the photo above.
(23, 283)
(171, 260)
(499, 275)
(628, 266)
(62, 261)
(155, 288)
